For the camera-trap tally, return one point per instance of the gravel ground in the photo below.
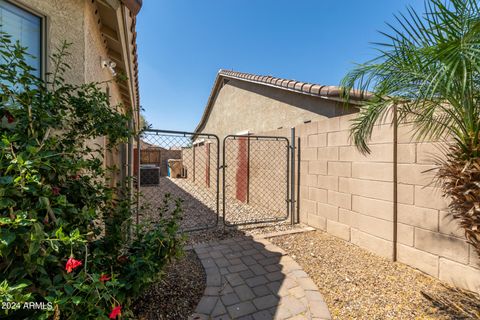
(176, 296)
(200, 204)
(221, 233)
(357, 284)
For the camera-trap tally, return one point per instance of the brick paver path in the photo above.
(253, 279)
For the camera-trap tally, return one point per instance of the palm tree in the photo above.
(429, 70)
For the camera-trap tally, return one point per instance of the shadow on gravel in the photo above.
(455, 304)
(177, 294)
(245, 277)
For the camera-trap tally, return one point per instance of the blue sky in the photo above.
(183, 43)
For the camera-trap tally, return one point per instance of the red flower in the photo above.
(72, 264)
(55, 191)
(104, 278)
(116, 311)
(9, 117)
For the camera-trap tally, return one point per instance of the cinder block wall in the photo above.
(428, 238)
(350, 195)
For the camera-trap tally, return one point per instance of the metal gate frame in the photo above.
(184, 134)
(289, 186)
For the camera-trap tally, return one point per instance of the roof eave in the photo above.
(355, 98)
(133, 5)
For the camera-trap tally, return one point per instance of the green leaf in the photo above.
(21, 285)
(33, 247)
(6, 180)
(69, 289)
(59, 233)
(6, 237)
(6, 203)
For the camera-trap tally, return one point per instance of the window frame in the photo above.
(43, 33)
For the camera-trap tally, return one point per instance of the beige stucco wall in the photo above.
(76, 22)
(95, 52)
(256, 174)
(241, 106)
(350, 196)
(200, 163)
(64, 21)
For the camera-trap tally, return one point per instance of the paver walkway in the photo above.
(250, 278)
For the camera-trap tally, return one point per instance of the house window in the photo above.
(25, 27)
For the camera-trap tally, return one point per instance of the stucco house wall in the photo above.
(95, 52)
(78, 22)
(200, 163)
(65, 21)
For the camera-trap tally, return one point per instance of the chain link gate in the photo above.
(183, 164)
(256, 179)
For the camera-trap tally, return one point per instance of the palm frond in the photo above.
(431, 63)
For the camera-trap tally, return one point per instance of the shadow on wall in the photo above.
(322, 107)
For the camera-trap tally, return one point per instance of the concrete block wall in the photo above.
(350, 195)
(428, 237)
(344, 192)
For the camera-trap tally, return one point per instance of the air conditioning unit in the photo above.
(149, 175)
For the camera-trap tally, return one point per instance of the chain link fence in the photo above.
(255, 179)
(184, 165)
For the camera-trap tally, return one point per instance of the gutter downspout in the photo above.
(395, 182)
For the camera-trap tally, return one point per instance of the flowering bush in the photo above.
(68, 249)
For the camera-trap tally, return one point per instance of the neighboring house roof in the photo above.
(149, 146)
(311, 89)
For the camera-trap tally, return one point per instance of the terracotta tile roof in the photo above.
(312, 89)
(292, 85)
(135, 53)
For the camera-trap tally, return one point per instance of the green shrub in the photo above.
(65, 235)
